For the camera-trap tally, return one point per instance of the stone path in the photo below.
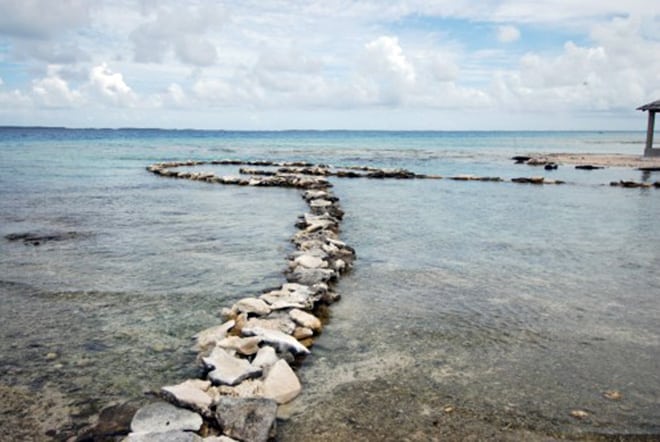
(248, 357)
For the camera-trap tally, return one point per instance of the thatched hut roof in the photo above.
(654, 106)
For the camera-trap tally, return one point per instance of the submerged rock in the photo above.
(210, 336)
(247, 419)
(306, 320)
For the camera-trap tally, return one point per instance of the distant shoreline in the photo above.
(600, 160)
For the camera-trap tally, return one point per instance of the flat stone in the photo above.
(210, 336)
(159, 417)
(244, 346)
(227, 369)
(247, 419)
(278, 339)
(167, 436)
(306, 319)
(281, 383)
(252, 305)
(266, 356)
(320, 203)
(222, 438)
(190, 394)
(282, 323)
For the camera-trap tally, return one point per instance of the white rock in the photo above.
(248, 388)
(168, 436)
(228, 369)
(303, 333)
(244, 346)
(278, 339)
(306, 319)
(310, 261)
(283, 323)
(210, 336)
(191, 394)
(281, 383)
(159, 417)
(252, 305)
(265, 357)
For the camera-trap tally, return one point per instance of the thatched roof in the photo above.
(654, 106)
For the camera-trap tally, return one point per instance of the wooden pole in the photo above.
(648, 151)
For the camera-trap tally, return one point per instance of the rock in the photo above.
(281, 383)
(276, 321)
(520, 159)
(302, 333)
(210, 336)
(247, 419)
(51, 356)
(249, 388)
(113, 421)
(320, 203)
(612, 395)
(588, 167)
(551, 166)
(265, 357)
(252, 305)
(310, 276)
(168, 436)
(159, 417)
(219, 439)
(278, 339)
(306, 319)
(190, 394)
(579, 414)
(244, 346)
(311, 262)
(37, 238)
(227, 369)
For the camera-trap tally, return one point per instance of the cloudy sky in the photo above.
(329, 64)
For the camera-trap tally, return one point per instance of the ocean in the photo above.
(472, 308)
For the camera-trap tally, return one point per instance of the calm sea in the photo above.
(511, 304)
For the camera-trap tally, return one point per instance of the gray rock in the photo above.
(281, 383)
(227, 369)
(247, 419)
(159, 417)
(279, 320)
(278, 339)
(310, 261)
(168, 436)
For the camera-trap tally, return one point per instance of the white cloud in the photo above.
(507, 34)
(110, 87)
(53, 92)
(388, 68)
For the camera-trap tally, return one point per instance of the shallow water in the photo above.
(511, 304)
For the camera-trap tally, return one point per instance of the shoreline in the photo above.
(596, 159)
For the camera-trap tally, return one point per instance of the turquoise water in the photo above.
(517, 303)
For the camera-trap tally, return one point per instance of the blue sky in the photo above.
(332, 64)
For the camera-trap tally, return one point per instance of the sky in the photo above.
(330, 64)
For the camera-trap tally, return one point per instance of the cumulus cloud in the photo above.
(181, 31)
(53, 92)
(385, 64)
(110, 87)
(507, 34)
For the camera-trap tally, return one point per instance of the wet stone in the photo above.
(247, 419)
(169, 436)
(278, 339)
(192, 394)
(281, 383)
(227, 369)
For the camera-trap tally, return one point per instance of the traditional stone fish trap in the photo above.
(247, 359)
